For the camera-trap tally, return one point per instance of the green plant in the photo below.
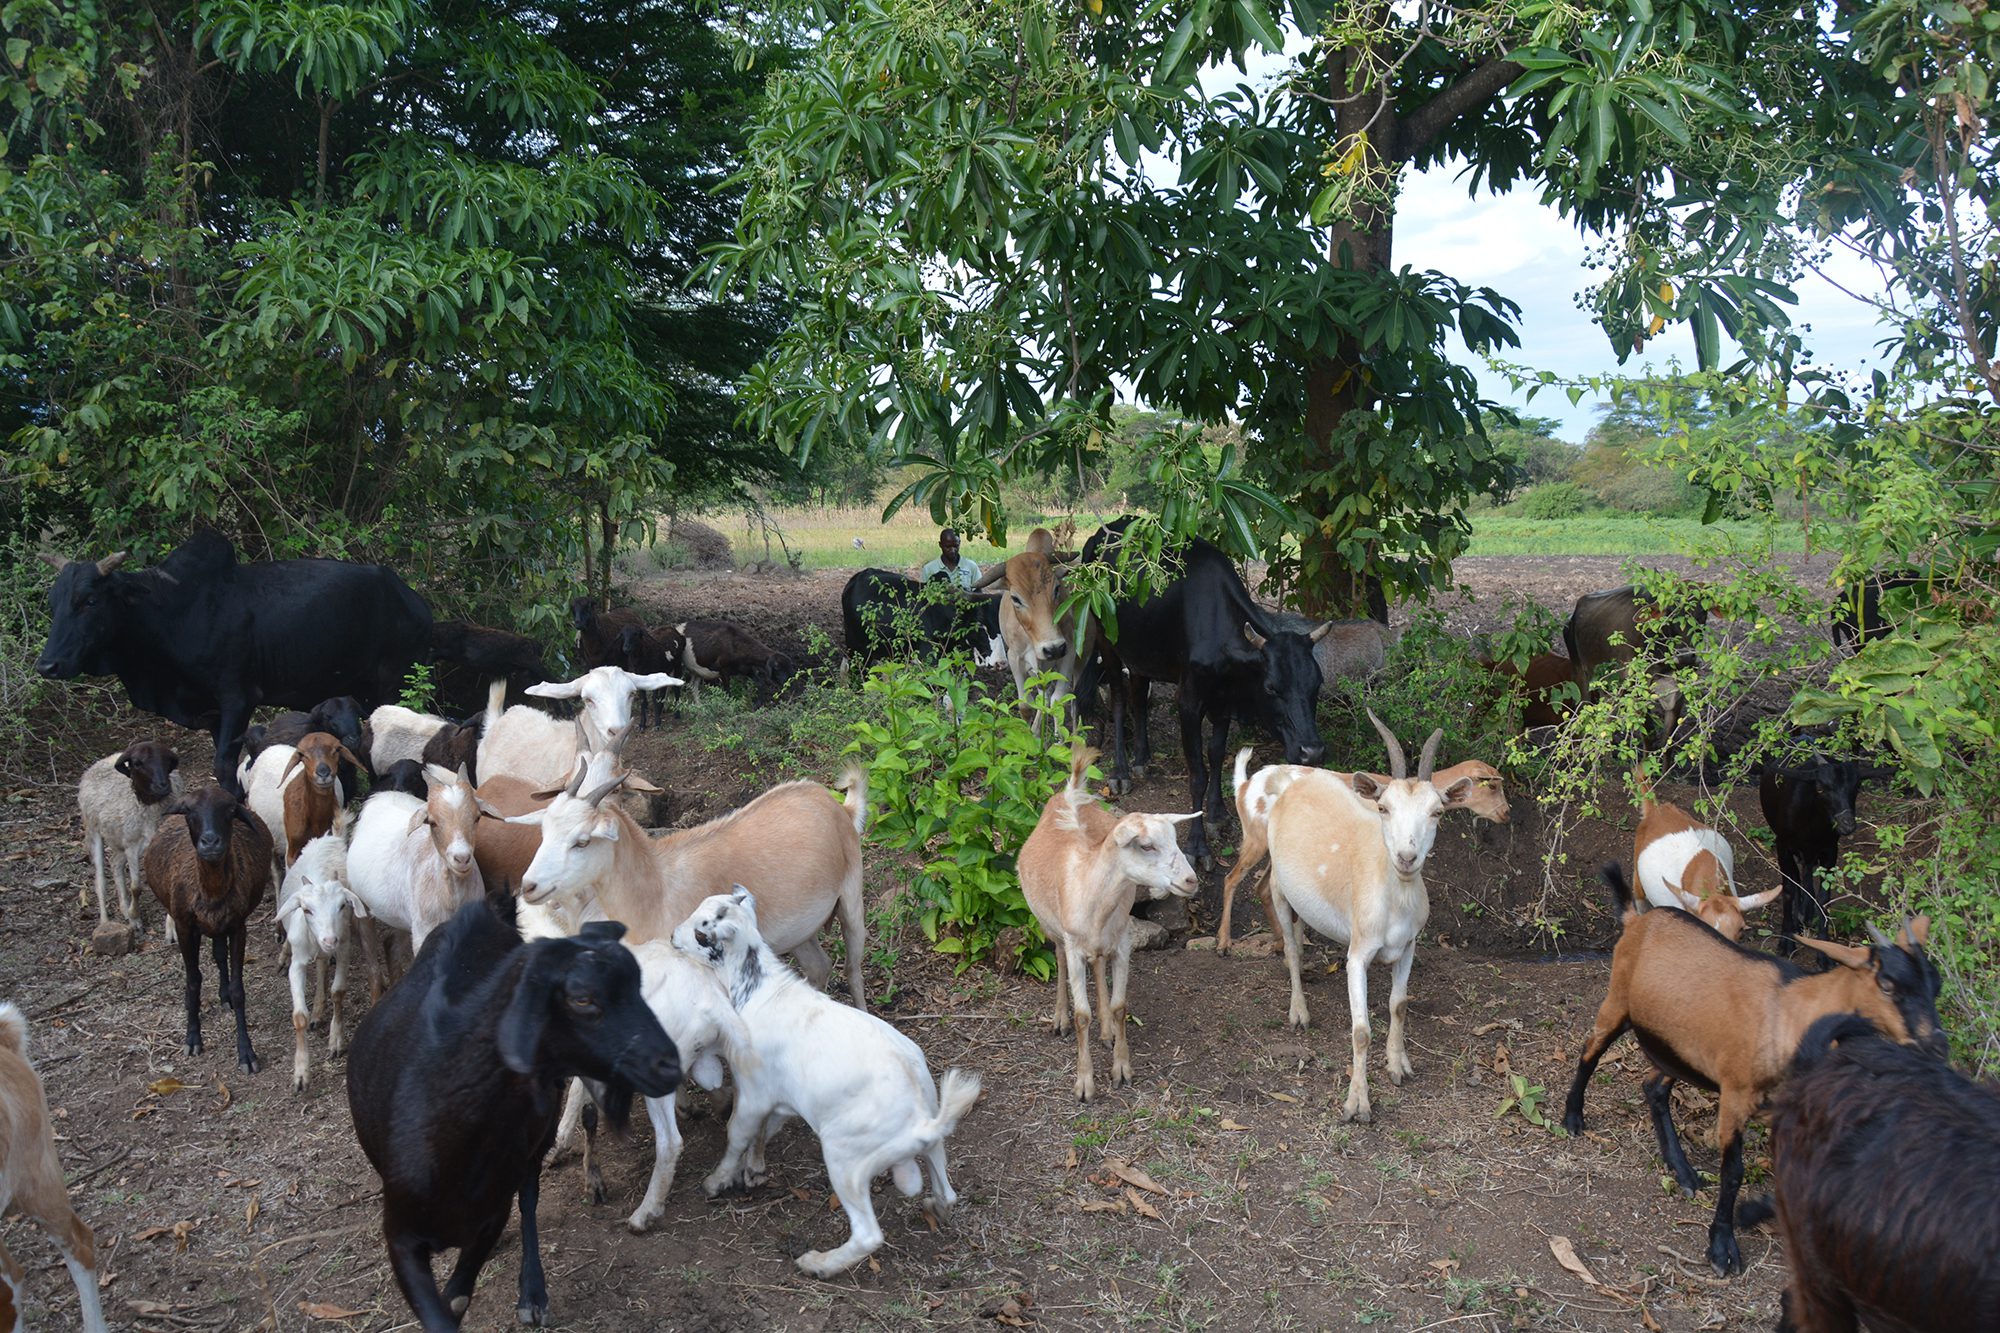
(418, 690)
(1526, 1098)
(1554, 499)
(959, 778)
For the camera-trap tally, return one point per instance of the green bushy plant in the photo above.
(959, 778)
(1555, 499)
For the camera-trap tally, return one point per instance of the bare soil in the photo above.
(1221, 1191)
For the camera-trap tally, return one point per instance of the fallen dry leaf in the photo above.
(874, 1265)
(324, 1310)
(160, 1087)
(1503, 1064)
(222, 1103)
(1069, 1161)
(1229, 1124)
(1283, 1097)
(1140, 1206)
(1444, 1265)
(250, 1214)
(1652, 1324)
(1103, 1205)
(801, 1194)
(150, 1307)
(1565, 1254)
(1132, 1175)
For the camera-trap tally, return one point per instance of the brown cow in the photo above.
(1036, 639)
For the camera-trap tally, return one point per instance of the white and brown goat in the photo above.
(1080, 871)
(1682, 862)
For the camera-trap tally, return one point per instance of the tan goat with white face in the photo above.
(1347, 858)
(1080, 870)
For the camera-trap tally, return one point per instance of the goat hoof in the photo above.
(532, 1313)
(642, 1221)
(1573, 1124)
(298, 1082)
(1723, 1254)
(458, 1304)
(596, 1186)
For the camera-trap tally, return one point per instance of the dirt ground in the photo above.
(1221, 1191)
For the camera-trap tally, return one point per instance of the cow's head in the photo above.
(1028, 621)
(150, 765)
(1288, 686)
(87, 607)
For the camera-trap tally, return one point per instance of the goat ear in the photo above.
(520, 1031)
(351, 757)
(1754, 901)
(486, 809)
(289, 908)
(606, 829)
(124, 765)
(567, 689)
(355, 905)
(173, 761)
(1459, 792)
(601, 934)
(659, 680)
(439, 774)
(419, 817)
(250, 821)
(633, 782)
(1369, 786)
(1847, 955)
(1127, 830)
(532, 817)
(1917, 930)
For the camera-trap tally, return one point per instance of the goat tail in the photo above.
(854, 781)
(1242, 767)
(957, 1091)
(1613, 875)
(1080, 759)
(13, 1029)
(496, 701)
(1644, 784)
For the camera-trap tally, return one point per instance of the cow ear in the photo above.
(1257, 640)
(520, 1032)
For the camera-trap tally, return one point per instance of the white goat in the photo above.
(1347, 857)
(411, 862)
(400, 733)
(1080, 871)
(528, 743)
(121, 798)
(314, 908)
(794, 845)
(687, 995)
(864, 1087)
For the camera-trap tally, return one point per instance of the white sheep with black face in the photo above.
(864, 1087)
(314, 908)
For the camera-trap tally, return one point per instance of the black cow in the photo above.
(1229, 658)
(1810, 808)
(202, 640)
(884, 614)
(469, 657)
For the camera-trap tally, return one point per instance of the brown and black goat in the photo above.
(1712, 1013)
(1887, 1168)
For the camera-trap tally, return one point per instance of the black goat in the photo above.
(597, 632)
(455, 1081)
(1879, 1151)
(1810, 808)
(406, 776)
(643, 652)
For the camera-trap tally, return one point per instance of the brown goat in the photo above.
(312, 803)
(1713, 1013)
(31, 1178)
(210, 866)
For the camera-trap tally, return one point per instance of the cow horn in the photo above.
(112, 561)
(993, 575)
(55, 561)
(1429, 755)
(1399, 767)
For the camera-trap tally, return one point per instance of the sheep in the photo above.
(411, 863)
(1486, 800)
(400, 733)
(296, 791)
(1682, 862)
(528, 743)
(1708, 1011)
(210, 876)
(1347, 858)
(1879, 1153)
(121, 798)
(1810, 808)
(31, 1178)
(313, 908)
(794, 844)
(1080, 870)
(863, 1087)
(454, 1084)
(687, 995)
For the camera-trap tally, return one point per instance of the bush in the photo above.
(961, 783)
(706, 547)
(1556, 499)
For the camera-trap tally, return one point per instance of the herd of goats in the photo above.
(537, 958)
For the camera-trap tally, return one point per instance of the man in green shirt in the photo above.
(949, 565)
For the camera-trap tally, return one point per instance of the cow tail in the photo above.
(854, 781)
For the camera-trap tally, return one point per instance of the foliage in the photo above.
(419, 690)
(1533, 450)
(959, 778)
(1526, 1098)
(1431, 678)
(1552, 500)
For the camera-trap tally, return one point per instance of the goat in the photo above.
(1708, 1011)
(313, 908)
(121, 798)
(863, 1087)
(1355, 874)
(339, 716)
(645, 652)
(296, 791)
(1682, 862)
(411, 863)
(686, 994)
(400, 733)
(723, 650)
(454, 1082)
(597, 631)
(528, 743)
(31, 1178)
(1486, 799)
(1080, 871)
(794, 844)
(210, 876)
(456, 745)
(405, 776)
(1810, 808)
(1878, 1155)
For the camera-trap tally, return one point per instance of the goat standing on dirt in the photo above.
(121, 798)
(1713, 1013)
(1080, 871)
(31, 1178)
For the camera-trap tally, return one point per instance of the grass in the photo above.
(1607, 534)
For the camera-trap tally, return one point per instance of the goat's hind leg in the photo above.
(190, 944)
(942, 1198)
(1079, 997)
(246, 1057)
(42, 1196)
(410, 1261)
(666, 1156)
(1660, 1103)
(850, 1182)
(1121, 1050)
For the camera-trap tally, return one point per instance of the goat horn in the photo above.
(1399, 767)
(577, 772)
(604, 789)
(112, 561)
(1881, 941)
(1429, 757)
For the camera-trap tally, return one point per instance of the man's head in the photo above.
(948, 547)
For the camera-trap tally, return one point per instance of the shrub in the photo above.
(1556, 499)
(959, 778)
(706, 547)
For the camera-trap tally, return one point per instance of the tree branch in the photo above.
(1470, 93)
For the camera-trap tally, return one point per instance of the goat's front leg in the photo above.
(1288, 935)
(1398, 1056)
(1121, 1051)
(246, 1058)
(296, 973)
(1357, 1107)
(1079, 998)
(666, 1156)
(534, 1304)
(1723, 1252)
(1104, 1029)
(1612, 1020)
(378, 963)
(190, 942)
(850, 1182)
(746, 1125)
(572, 1116)
(97, 867)
(1062, 989)
(336, 1031)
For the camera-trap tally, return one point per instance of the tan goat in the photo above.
(795, 847)
(1347, 858)
(1080, 870)
(1682, 862)
(1486, 800)
(31, 1178)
